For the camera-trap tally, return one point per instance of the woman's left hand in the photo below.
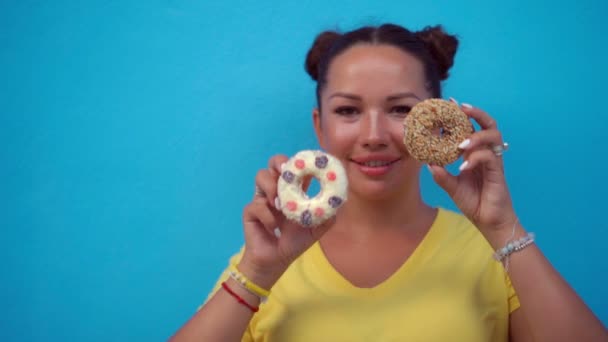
(480, 190)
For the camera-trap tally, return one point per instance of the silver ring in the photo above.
(259, 191)
(500, 149)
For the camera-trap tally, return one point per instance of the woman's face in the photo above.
(369, 91)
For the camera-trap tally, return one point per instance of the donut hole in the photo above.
(314, 187)
(439, 131)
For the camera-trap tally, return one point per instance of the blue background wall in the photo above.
(131, 131)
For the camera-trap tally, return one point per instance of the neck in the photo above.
(362, 217)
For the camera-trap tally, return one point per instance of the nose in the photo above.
(374, 131)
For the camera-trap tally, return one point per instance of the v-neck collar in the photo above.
(331, 275)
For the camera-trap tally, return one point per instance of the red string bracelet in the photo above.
(239, 298)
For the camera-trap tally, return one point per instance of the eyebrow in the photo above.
(388, 98)
(402, 95)
(346, 95)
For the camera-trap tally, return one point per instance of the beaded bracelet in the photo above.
(235, 277)
(239, 299)
(248, 284)
(503, 254)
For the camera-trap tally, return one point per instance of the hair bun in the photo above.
(442, 47)
(322, 43)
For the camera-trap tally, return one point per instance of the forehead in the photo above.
(367, 68)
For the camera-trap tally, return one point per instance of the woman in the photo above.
(388, 266)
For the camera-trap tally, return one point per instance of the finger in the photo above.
(487, 151)
(481, 157)
(275, 163)
(481, 139)
(267, 183)
(258, 213)
(484, 120)
(444, 179)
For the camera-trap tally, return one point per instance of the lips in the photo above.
(375, 166)
(375, 161)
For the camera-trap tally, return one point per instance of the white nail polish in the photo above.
(466, 105)
(277, 232)
(463, 166)
(277, 203)
(464, 144)
(453, 100)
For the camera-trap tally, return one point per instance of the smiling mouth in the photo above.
(376, 163)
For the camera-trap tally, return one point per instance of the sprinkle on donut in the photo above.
(293, 200)
(321, 162)
(433, 129)
(288, 176)
(331, 176)
(291, 206)
(334, 201)
(319, 212)
(306, 218)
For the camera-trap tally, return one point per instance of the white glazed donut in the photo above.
(294, 202)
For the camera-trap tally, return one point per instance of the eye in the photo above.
(346, 110)
(401, 110)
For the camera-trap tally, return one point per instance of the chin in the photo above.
(375, 192)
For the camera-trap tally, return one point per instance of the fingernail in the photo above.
(277, 232)
(464, 144)
(429, 168)
(282, 167)
(453, 100)
(277, 203)
(463, 166)
(466, 105)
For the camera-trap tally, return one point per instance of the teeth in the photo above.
(376, 163)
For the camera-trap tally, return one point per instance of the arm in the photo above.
(265, 258)
(519, 331)
(222, 318)
(550, 310)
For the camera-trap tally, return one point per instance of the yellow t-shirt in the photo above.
(449, 289)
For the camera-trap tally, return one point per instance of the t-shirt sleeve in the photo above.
(247, 336)
(512, 295)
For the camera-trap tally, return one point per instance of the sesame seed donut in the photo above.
(422, 124)
(295, 203)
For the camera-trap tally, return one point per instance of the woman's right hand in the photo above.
(267, 256)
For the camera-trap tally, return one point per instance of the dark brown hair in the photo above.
(432, 46)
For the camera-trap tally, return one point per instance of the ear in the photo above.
(316, 119)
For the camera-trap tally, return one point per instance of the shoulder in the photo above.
(464, 248)
(453, 222)
(453, 216)
(457, 231)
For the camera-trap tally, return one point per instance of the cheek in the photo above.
(338, 135)
(397, 134)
